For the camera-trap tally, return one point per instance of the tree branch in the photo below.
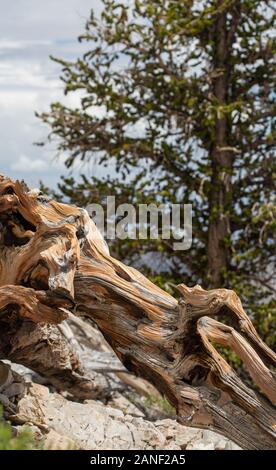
(165, 341)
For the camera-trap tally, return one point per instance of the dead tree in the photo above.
(53, 259)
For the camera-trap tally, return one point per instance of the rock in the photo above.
(177, 436)
(55, 441)
(14, 389)
(9, 407)
(28, 375)
(64, 424)
(90, 425)
(34, 430)
(122, 403)
(209, 440)
(221, 444)
(6, 377)
(38, 390)
(231, 446)
(95, 426)
(11, 383)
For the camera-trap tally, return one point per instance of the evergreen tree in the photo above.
(186, 93)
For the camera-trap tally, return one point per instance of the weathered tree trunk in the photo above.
(220, 195)
(53, 257)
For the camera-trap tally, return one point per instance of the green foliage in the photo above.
(179, 97)
(161, 403)
(23, 441)
(159, 406)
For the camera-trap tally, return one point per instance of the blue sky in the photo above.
(31, 30)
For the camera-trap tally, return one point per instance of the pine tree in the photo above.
(186, 91)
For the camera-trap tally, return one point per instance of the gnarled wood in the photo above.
(44, 349)
(56, 248)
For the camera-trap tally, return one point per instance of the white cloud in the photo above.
(29, 80)
(26, 164)
(22, 44)
(16, 74)
(32, 19)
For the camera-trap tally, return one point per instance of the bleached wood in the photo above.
(54, 257)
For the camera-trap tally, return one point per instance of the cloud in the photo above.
(32, 19)
(21, 44)
(29, 81)
(26, 164)
(20, 77)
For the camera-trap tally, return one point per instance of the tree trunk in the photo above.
(53, 258)
(220, 196)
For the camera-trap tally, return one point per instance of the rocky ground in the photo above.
(121, 422)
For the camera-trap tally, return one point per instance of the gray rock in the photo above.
(92, 425)
(64, 424)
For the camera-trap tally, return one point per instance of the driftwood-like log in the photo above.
(45, 350)
(97, 356)
(52, 257)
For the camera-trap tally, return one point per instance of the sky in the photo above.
(30, 31)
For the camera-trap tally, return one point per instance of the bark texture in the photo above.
(53, 259)
(220, 196)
